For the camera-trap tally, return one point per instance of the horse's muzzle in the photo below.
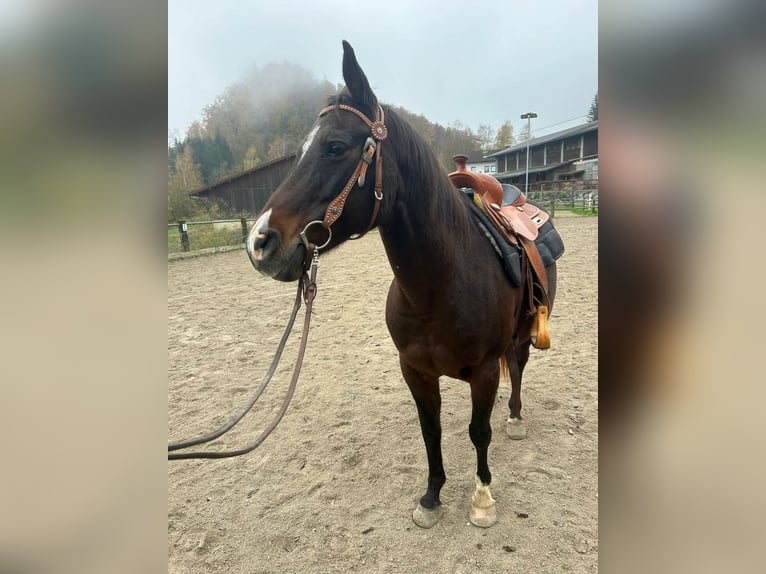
(261, 241)
(268, 253)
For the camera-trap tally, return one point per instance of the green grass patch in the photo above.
(204, 237)
(585, 211)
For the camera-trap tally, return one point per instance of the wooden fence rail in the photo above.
(212, 233)
(194, 235)
(552, 199)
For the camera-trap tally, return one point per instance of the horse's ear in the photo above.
(356, 81)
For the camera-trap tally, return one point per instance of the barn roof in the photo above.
(560, 135)
(205, 189)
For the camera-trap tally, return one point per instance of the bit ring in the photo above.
(305, 239)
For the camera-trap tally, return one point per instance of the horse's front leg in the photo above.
(425, 391)
(484, 382)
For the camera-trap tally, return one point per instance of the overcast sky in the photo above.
(480, 62)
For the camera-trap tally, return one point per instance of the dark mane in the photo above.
(428, 189)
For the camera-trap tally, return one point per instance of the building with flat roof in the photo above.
(564, 160)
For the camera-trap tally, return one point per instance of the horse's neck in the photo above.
(422, 239)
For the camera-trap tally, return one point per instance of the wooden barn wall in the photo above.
(250, 192)
(590, 145)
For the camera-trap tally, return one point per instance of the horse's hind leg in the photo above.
(425, 391)
(484, 383)
(517, 359)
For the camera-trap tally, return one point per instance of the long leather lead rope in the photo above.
(307, 291)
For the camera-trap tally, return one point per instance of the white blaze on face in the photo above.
(308, 142)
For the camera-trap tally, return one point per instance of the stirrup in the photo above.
(541, 337)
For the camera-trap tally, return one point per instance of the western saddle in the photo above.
(519, 222)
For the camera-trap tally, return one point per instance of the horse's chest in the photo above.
(442, 337)
(436, 348)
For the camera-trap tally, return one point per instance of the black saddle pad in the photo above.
(548, 242)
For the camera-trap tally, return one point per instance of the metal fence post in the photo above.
(182, 232)
(243, 221)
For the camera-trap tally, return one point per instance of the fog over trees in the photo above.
(267, 115)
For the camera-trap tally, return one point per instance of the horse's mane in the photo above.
(425, 181)
(427, 190)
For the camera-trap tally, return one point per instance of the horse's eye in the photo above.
(336, 149)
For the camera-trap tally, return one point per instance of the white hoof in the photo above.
(515, 429)
(483, 512)
(427, 517)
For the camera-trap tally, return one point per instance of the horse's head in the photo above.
(334, 190)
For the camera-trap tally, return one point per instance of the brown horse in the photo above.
(450, 309)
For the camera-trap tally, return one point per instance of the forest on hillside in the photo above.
(267, 115)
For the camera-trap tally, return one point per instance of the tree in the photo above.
(455, 139)
(269, 112)
(251, 158)
(187, 171)
(277, 149)
(504, 136)
(184, 178)
(212, 154)
(486, 136)
(593, 113)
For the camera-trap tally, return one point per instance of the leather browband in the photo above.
(378, 134)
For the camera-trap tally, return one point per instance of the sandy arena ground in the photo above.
(333, 488)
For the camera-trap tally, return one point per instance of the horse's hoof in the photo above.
(515, 429)
(482, 513)
(427, 517)
(483, 517)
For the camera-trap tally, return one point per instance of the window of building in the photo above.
(553, 153)
(590, 145)
(572, 148)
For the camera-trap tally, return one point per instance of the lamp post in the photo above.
(528, 116)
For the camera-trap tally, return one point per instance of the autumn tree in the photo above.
(504, 136)
(486, 136)
(251, 159)
(267, 115)
(184, 177)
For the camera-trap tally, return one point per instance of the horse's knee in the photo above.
(481, 434)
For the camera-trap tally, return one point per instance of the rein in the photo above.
(307, 291)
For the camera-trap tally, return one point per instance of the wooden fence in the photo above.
(194, 235)
(554, 197)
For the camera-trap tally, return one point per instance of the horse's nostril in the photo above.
(266, 243)
(260, 240)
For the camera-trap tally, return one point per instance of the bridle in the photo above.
(307, 290)
(373, 143)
